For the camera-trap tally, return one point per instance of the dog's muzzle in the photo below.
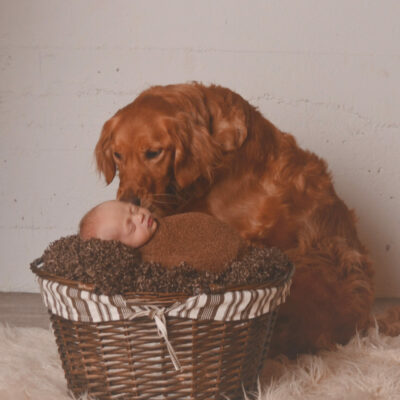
(130, 197)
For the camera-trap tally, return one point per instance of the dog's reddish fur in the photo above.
(191, 147)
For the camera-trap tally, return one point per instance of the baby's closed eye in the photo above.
(133, 209)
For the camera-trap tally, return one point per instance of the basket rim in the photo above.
(36, 269)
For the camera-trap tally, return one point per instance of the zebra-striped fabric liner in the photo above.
(85, 306)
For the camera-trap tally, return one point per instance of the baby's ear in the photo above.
(103, 151)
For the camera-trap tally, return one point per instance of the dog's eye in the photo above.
(152, 153)
(117, 155)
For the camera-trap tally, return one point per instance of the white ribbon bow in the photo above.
(157, 314)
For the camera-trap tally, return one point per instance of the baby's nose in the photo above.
(141, 216)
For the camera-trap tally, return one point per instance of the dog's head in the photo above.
(164, 142)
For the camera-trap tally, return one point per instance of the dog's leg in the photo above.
(331, 298)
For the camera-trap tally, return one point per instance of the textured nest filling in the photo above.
(113, 268)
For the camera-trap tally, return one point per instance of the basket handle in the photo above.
(35, 264)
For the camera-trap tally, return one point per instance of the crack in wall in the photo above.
(349, 110)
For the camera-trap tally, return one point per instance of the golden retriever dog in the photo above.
(190, 147)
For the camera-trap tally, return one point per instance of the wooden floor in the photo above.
(23, 309)
(27, 309)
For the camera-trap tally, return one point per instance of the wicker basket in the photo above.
(161, 346)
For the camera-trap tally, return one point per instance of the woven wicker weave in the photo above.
(127, 359)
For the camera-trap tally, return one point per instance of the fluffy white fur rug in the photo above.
(367, 368)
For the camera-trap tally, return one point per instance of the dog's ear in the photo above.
(196, 153)
(103, 151)
(186, 170)
(230, 134)
(228, 122)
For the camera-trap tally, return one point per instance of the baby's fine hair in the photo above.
(88, 224)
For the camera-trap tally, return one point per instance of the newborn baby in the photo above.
(117, 220)
(198, 239)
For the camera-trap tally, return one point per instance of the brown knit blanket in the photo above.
(199, 239)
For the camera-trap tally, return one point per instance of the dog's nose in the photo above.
(136, 201)
(130, 197)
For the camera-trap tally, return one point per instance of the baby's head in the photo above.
(117, 220)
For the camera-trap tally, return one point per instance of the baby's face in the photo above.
(125, 222)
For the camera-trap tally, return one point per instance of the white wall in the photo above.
(329, 72)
